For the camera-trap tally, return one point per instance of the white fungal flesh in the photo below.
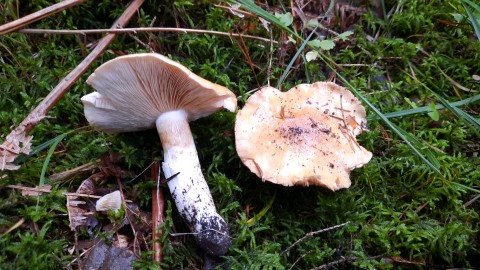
(111, 201)
(189, 188)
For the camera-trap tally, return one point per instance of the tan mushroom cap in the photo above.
(305, 136)
(133, 90)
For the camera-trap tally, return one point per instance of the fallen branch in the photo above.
(311, 234)
(18, 141)
(137, 30)
(12, 26)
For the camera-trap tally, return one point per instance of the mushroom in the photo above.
(305, 136)
(110, 201)
(141, 91)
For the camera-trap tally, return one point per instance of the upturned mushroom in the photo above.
(306, 136)
(111, 201)
(141, 91)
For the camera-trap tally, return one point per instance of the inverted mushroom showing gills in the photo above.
(306, 136)
(141, 91)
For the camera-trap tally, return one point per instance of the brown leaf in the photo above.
(16, 143)
(78, 212)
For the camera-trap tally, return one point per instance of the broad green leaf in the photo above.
(327, 44)
(345, 35)
(434, 114)
(286, 19)
(313, 23)
(315, 44)
(324, 44)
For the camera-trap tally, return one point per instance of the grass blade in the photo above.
(474, 123)
(426, 108)
(55, 142)
(22, 158)
(253, 8)
(424, 154)
(262, 212)
(299, 51)
(471, 16)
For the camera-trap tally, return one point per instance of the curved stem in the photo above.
(189, 189)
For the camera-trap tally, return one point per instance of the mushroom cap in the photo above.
(110, 201)
(305, 136)
(133, 90)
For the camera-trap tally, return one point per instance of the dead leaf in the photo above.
(18, 142)
(234, 10)
(78, 210)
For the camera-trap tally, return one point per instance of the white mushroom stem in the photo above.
(189, 188)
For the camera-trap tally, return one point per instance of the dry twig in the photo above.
(12, 26)
(311, 234)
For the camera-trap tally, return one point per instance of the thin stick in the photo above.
(12, 26)
(235, 10)
(15, 226)
(136, 30)
(330, 264)
(47, 190)
(301, 257)
(158, 204)
(344, 260)
(19, 140)
(472, 201)
(311, 234)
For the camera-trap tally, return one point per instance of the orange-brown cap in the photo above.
(133, 90)
(305, 136)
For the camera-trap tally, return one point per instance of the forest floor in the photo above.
(413, 64)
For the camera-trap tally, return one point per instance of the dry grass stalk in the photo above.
(138, 30)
